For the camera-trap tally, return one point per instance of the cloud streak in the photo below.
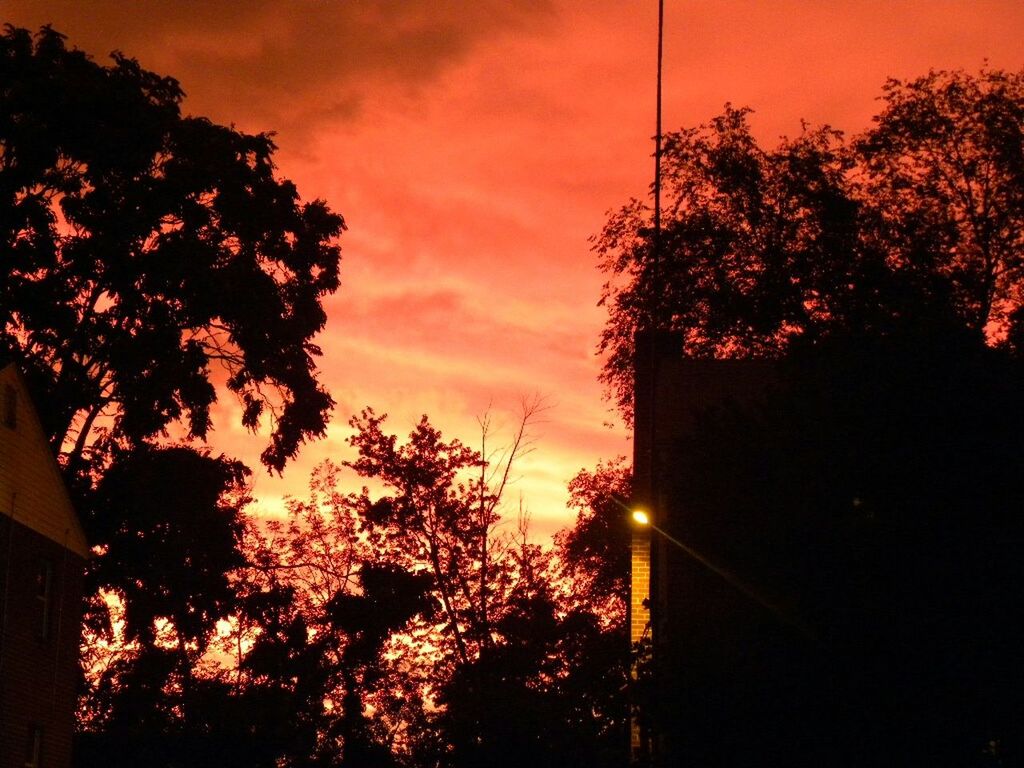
(267, 64)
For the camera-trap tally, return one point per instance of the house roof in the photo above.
(32, 489)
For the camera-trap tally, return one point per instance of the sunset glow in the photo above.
(473, 148)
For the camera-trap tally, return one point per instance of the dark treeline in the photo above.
(400, 627)
(918, 222)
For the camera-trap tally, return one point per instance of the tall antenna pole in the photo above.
(644, 602)
(656, 315)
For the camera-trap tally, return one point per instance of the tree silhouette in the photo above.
(944, 167)
(147, 254)
(593, 571)
(168, 555)
(438, 510)
(150, 259)
(918, 221)
(344, 604)
(595, 552)
(420, 668)
(872, 490)
(152, 554)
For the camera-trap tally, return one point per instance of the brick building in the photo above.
(670, 393)
(835, 575)
(42, 557)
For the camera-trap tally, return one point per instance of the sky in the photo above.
(475, 146)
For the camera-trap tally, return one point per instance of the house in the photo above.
(42, 557)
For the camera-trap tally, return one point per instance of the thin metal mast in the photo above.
(643, 745)
(656, 316)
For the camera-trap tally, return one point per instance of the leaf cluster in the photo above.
(145, 251)
(915, 223)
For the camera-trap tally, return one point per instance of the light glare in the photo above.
(640, 517)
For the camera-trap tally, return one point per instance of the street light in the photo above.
(642, 519)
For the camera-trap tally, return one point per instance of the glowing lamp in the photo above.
(640, 517)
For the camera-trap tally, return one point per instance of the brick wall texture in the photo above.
(639, 615)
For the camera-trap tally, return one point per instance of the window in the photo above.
(34, 750)
(10, 406)
(44, 593)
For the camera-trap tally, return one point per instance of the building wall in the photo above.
(669, 392)
(683, 389)
(42, 559)
(639, 617)
(640, 569)
(40, 642)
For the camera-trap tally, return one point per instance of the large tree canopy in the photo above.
(944, 170)
(595, 552)
(148, 256)
(149, 260)
(919, 221)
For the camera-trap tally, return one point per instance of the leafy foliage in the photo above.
(445, 640)
(150, 260)
(595, 553)
(438, 511)
(432, 515)
(145, 251)
(167, 561)
(944, 167)
(918, 221)
(152, 554)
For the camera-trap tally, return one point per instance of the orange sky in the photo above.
(474, 146)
